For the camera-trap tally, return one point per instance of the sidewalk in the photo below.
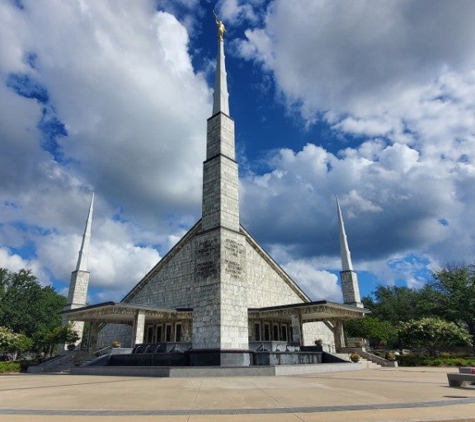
(403, 394)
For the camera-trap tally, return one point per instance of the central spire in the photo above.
(220, 170)
(220, 291)
(220, 96)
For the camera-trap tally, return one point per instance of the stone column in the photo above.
(93, 333)
(138, 328)
(296, 329)
(339, 334)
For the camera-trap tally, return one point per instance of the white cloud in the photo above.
(396, 81)
(119, 76)
(15, 263)
(319, 285)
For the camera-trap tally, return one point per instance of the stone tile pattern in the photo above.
(78, 289)
(220, 176)
(77, 297)
(220, 291)
(350, 288)
(266, 285)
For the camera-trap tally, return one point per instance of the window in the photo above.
(178, 331)
(266, 332)
(149, 338)
(158, 334)
(275, 332)
(283, 332)
(168, 332)
(257, 331)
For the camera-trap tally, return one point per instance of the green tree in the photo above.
(26, 306)
(395, 304)
(432, 333)
(13, 343)
(48, 339)
(372, 329)
(454, 292)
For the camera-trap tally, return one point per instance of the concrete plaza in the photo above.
(402, 394)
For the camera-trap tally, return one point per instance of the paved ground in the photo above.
(404, 394)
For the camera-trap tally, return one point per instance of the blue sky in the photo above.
(368, 100)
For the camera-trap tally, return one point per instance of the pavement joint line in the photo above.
(286, 410)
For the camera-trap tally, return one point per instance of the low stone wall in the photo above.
(287, 358)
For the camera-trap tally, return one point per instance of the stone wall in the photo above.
(318, 330)
(266, 286)
(170, 287)
(113, 332)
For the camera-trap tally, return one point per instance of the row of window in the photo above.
(272, 332)
(160, 333)
(262, 332)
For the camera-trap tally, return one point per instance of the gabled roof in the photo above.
(276, 267)
(188, 237)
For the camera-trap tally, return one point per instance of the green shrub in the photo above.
(9, 367)
(24, 364)
(425, 360)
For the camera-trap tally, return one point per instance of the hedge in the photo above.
(9, 367)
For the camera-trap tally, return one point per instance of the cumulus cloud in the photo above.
(319, 285)
(394, 81)
(104, 96)
(98, 96)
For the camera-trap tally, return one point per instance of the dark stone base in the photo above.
(216, 357)
(178, 355)
(149, 359)
(287, 358)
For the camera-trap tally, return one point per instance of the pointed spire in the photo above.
(349, 279)
(344, 249)
(220, 96)
(86, 238)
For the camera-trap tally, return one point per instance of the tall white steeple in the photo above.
(220, 325)
(345, 254)
(220, 95)
(349, 278)
(86, 239)
(80, 277)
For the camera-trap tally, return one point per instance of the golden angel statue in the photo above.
(221, 28)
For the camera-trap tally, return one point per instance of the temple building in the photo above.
(218, 293)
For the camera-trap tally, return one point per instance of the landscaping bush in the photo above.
(426, 360)
(9, 367)
(25, 363)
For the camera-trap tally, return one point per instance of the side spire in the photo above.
(221, 95)
(349, 279)
(79, 283)
(86, 239)
(345, 254)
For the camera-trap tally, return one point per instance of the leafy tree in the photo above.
(432, 333)
(372, 329)
(48, 340)
(395, 304)
(27, 307)
(13, 343)
(454, 292)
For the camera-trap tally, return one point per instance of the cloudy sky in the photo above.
(369, 100)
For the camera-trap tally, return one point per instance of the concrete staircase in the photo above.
(365, 363)
(62, 363)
